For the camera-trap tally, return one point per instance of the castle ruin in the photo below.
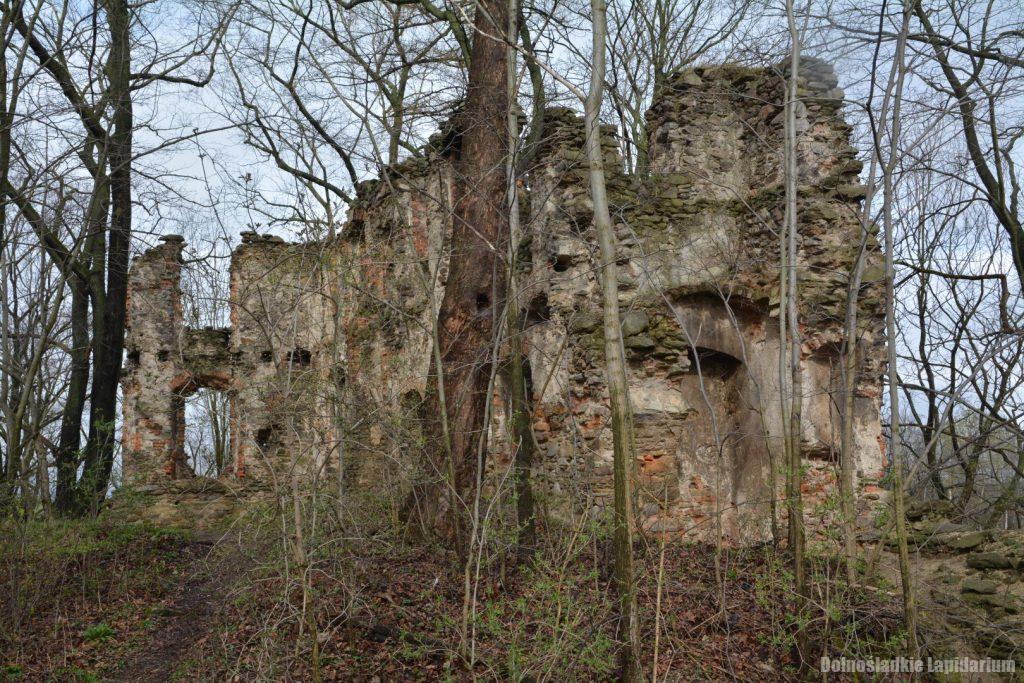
(329, 348)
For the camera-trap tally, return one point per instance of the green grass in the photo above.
(100, 633)
(11, 672)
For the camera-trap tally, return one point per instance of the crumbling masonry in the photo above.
(329, 348)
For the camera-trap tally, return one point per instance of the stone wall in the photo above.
(338, 333)
(277, 363)
(699, 289)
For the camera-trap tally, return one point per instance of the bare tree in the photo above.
(791, 347)
(623, 444)
(648, 41)
(888, 187)
(90, 86)
(977, 88)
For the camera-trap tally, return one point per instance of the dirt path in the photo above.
(190, 618)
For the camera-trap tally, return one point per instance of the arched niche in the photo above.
(184, 414)
(724, 446)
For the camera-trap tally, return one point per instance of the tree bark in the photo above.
(70, 440)
(109, 312)
(475, 289)
(615, 359)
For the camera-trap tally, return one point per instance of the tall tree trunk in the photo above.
(109, 311)
(6, 122)
(615, 357)
(909, 609)
(70, 439)
(475, 289)
(84, 288)
(522, 430)
(795, 346)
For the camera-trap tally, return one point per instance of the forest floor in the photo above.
(81, 597)
(100, 600)
(188, 612)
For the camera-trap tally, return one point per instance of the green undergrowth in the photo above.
(369, 603)
(74, 592)
(364, 600)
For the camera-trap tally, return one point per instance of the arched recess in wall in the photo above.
(724, 451)
(202, 440)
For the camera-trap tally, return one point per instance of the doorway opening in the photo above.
(207, 433)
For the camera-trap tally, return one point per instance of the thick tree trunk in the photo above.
(109, 313)
(6, 122)
(69, 451)
(74, 405)
(475, 290)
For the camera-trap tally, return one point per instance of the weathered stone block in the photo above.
(990, 560)
(976, 584)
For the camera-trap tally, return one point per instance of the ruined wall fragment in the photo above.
(330, 349)
(699, 293)
(276, 363)
(154, 369)
(286, 356)
(393, 268)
